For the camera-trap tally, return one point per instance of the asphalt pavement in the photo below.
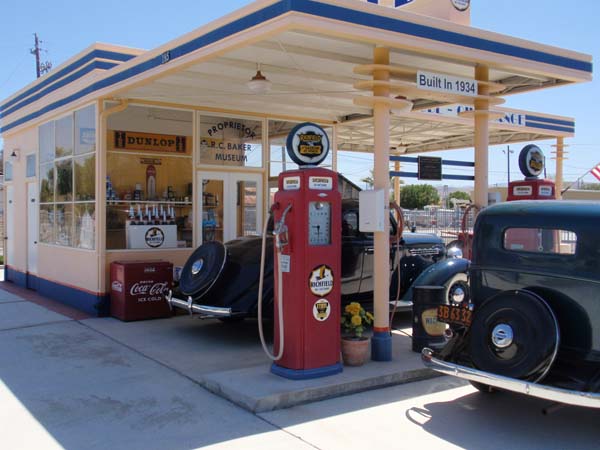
(65, 382)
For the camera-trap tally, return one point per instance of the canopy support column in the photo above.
(560, 147)
(381, 344)
(482, 116)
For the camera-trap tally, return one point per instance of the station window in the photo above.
(68, 180)
(540, 240)
(149, 179)
(227, 142)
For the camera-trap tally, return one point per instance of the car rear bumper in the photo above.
(570, 397)
(193, 308)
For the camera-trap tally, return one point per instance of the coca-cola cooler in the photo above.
(138, 288)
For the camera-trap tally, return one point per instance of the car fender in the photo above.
(439, 274)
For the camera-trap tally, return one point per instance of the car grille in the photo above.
(431, 251)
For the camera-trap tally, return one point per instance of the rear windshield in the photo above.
(540, 240)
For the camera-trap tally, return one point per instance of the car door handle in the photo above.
(369, 251)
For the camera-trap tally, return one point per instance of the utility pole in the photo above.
(508, 151)
(40, 67)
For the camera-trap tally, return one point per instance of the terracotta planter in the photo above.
(355, 350)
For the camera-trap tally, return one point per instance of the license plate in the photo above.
(456, 315)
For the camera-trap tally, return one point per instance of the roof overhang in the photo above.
(309, 49)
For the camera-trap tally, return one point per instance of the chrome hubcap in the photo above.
(197, 266)
(502, 335)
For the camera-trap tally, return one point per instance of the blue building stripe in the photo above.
(550, 127)
(445, 162)
(105, 65)
(568, 123)
(321, 10)
(94, 54)
(402, 174)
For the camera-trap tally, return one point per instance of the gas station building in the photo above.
(190, 136)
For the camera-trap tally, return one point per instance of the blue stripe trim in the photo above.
(94, 54)
(445, 162)
(103, 65)
(444, 177)
(93, 304)
(550, 127)
(436, 34)
(326, 11)
(569, 123)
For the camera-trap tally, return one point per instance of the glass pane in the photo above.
(246, 209)
(30, 170)
(47, 223)
(46, 137)
(540, 240)
(85, 226)
(212, 210)
(64, 181)
(64, 137)
(230, 142)
(85, 130)
(64, 224)
(47, 183)
(85, 177)
(138, 186)
(8, 171)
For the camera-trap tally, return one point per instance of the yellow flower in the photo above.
(353, 308)
(356, 321)
(370, 316)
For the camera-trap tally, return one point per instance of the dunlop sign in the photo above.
(147, 142)
(308, 144)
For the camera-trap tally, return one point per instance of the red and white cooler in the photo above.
(138, 288)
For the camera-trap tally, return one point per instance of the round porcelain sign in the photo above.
(308, 144)
(531, 161)
(461, 5)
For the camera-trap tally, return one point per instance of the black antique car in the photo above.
(221, 280)
(532, 324)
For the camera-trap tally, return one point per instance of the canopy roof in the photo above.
(311, 51)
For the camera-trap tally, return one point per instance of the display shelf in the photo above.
(147, 202)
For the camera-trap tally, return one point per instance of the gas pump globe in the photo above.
(307, 213)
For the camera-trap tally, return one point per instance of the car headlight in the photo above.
(454, 252)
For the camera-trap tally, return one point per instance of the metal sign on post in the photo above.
(430, 168)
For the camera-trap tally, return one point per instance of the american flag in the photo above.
(596, 171)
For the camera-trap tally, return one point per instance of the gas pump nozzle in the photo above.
(281, 230)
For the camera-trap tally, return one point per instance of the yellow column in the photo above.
(481, 141)
(560, 146)
(381, 344)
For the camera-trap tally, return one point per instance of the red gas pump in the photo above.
(307, 214)
(531, 163)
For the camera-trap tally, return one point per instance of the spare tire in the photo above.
(202, 269)
(514, 334)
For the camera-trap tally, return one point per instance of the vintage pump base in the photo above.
(306, 374)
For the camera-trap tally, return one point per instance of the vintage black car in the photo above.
(532, 324)
(221, 280)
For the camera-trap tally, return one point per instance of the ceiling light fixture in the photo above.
(401, 105)
(259, 83)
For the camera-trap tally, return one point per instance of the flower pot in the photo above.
(355, 350)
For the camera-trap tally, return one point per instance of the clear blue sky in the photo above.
(66, 27)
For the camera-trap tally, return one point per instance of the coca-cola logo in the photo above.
(149, 288)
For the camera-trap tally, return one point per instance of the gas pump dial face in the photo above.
(319, 223)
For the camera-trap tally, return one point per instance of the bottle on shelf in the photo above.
(132, 216)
